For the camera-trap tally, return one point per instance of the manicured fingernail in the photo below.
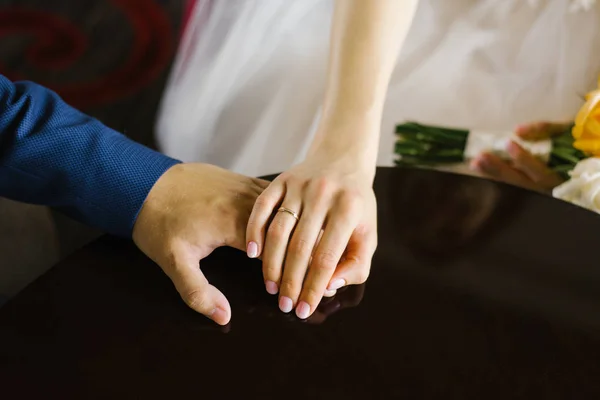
(219, 316)
(303, 310)
(330, 293)
(271, 287)
(336, 284)
(252, 250)
(285, 304)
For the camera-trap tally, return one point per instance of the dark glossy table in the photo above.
(478, 291)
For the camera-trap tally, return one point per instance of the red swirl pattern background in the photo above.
(91, 56)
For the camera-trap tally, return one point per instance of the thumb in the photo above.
(197, 292)
(355, 265)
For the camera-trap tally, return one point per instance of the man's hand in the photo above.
(191, 210)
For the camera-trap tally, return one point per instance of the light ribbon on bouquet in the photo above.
(497, 142)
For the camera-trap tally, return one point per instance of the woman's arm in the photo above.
(365, 40)
(332, 190)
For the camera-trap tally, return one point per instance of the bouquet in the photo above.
(574, 154)
(424, 145)
(583, 188)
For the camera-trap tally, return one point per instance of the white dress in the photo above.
(248, 81)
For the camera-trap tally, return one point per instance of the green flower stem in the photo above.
(432, 145)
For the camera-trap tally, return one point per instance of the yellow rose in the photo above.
(587, 125)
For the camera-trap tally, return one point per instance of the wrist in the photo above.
(354, 139)
(346, 159)
(148, 221)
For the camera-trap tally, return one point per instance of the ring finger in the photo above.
(276, 243)
(304, 241)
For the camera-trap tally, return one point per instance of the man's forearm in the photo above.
(365, 41)
(54, 155)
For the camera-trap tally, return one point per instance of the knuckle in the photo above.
(349, 202)
(292, 180)
(325, 260)
(284, 177)
(272, 274)
(300, 247)
(277, 230)
(262, 201)
(322, 186)
(265, 201)
(274, 236)
(312, 295)
(260, 183)
(288, 287)
(271, 269)
(277, 225)
(253, 226)
(169, 258)
(197, 300)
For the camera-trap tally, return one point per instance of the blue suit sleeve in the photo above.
(54, 155)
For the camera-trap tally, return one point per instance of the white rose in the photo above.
(583, 189)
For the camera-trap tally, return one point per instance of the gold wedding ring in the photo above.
(287, 210)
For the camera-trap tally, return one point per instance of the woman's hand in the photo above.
(346, 297)
(315, 225)
(331, 242)
(523, 169)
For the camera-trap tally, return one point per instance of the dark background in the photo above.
(109, 58)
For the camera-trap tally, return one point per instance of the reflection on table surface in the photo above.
(474, 293)
(518, 247)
